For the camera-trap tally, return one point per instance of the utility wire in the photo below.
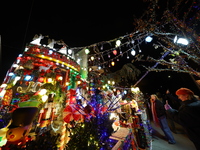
(27, 25)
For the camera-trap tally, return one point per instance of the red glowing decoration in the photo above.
(41, 79)
(115, 52)
(71, 112)
(28, 58)
(37, 50)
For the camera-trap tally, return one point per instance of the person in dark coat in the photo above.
(172, 100)
(159, 118)
(188, 114)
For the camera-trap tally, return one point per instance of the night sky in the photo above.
(78, 23)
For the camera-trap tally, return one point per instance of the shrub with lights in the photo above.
(94, 130)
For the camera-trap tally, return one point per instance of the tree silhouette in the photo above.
(169, 22)
(124, 77)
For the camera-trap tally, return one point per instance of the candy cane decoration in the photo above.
(62, 139)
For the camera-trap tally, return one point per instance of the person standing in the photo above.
(188, 114)
(159, 118)
(172, 100)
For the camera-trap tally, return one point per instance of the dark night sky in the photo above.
(78, 24)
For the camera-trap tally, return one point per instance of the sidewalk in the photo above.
(160, 143)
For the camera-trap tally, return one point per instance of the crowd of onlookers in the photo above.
(182, 108)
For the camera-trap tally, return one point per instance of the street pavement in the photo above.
(160, 143)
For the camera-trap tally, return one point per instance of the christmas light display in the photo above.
(47, 86)
(39, 79)
(47, 103)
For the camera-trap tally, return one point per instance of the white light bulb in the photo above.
(27, 77)
(133, 52)
(44, 98)
(87, 51)
(148, 39)
(3, 85)
(50, 52)
(43, 91)
(69, 51)
(118, 43)
(175, 39)
(182, 41)
(16, 79)
(15, 65)
(10, 74)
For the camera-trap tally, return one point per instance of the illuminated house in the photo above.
(43, 79)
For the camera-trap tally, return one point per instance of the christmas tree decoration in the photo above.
(94, 131)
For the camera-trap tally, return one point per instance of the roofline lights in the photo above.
(57, 61)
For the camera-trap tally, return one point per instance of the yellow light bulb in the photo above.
(92, 58)
(60, 78)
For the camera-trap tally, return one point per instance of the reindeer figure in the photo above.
(51, 43)
(37, 39)
(44, 68)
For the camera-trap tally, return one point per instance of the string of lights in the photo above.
(110, 61)
(123, 45)
(105, 42)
